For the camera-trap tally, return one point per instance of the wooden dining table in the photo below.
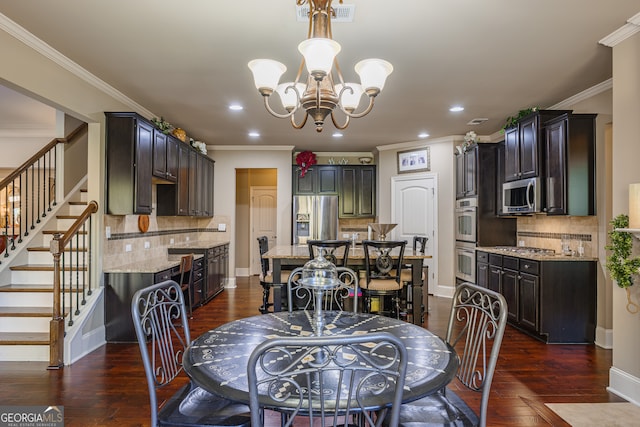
(287, 257)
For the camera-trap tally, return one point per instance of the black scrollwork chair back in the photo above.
(343, 297)
(162, 329)
(476, 326)
(335, 380)
(335, 251)
(383, 261)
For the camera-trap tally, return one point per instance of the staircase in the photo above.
(26, 300)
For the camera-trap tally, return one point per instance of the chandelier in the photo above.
(319, 96)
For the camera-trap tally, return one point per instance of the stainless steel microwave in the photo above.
(522, 197)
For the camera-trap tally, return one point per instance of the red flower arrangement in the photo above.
(305, 159)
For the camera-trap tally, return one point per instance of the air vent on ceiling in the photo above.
(344, 13)
(477, 121)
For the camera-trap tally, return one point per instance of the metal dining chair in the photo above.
(343, 297)
(335, 380)
(406, 276)
(162, 329)
(476, 326)
(382, 273)
(335, 251)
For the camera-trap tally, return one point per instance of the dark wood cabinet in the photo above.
(553, 301)
(570, 165)
(357, 191)
(467, 173)
(129, 146)
(355, 186)
(304, 185)
(482, 269)
(215, 263)
(524, 145)
(165, 156)
(319, 179)
(197, 294)
(173, 199)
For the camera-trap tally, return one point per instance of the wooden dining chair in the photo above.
(477, 321)
(382, 273)
(162, 329)
(406, 276)
(266, 278)
(186, 280)
(343, 297)
(337, 380)
(335, 251)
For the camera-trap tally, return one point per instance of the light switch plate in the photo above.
(147, 245)
(107, 232)
(127, 248)
(222, 227)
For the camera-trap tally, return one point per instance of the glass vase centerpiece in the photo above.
(319, 275)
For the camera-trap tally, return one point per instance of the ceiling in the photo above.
(187, 60)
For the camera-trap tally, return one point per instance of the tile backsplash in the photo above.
(542, 231)
(127, 244)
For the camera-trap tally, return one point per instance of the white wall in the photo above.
(625, 373)
(442, 164)
(230, 158)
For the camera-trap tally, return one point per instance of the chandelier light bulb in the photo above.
(350, 97)
(266, 73)
(373, 73)
(319, 54)
(290, 99)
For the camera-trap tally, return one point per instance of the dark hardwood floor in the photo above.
(108, 388)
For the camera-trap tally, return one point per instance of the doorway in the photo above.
(414, 208)
(264, 221)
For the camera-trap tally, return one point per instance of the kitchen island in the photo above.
(550, 296)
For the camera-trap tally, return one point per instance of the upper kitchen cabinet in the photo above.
(173, 199)
(319, 179)
(570, 165)
(524, 144)
(466, 173)
(165, 156)
(129, 157)
(357, 195)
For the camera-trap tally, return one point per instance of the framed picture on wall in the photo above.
(414, 160)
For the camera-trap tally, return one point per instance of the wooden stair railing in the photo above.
(28, 193)
(78, 237)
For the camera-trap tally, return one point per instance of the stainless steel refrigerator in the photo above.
(314, 217)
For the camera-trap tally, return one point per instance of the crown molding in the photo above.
(621, 34)
(418, 144)
(585, 94)
(250, 148)
(21, 34)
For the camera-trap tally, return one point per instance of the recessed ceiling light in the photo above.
(423, 135)
(337, 135)
(236, 107)
(254, 134)
(456, 109)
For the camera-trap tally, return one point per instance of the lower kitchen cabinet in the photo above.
(215, 267)
(551, 300)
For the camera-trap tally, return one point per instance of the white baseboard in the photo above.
(604, 338)
(231, 283)
(624, 385)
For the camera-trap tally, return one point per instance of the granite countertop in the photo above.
(150, 265)
(535, 256)
(199, 245)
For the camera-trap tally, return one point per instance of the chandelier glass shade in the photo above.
(316, 92)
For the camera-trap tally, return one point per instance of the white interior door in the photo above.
(414, 209)
(263, 221)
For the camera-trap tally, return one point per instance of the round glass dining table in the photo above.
(217, 360)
